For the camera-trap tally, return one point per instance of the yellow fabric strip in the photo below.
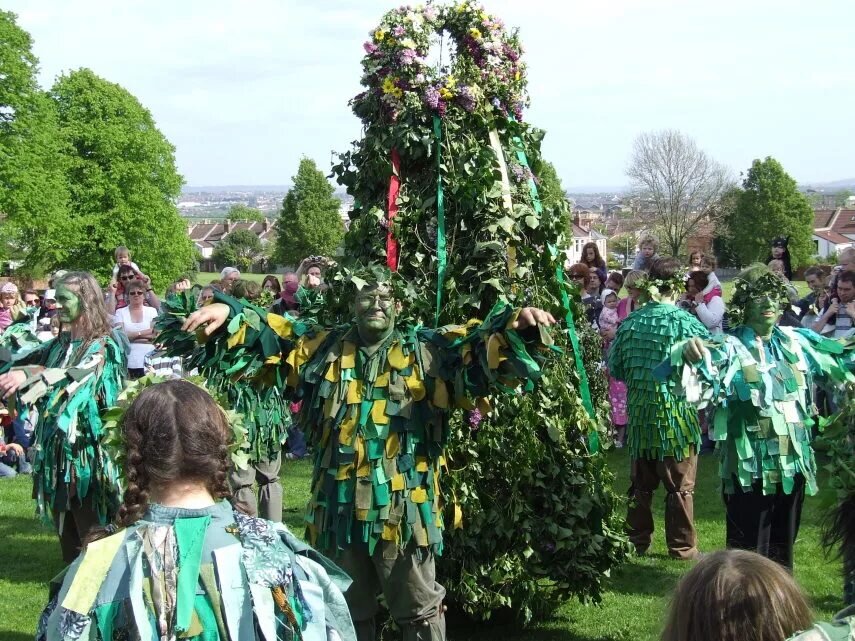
(91, 573)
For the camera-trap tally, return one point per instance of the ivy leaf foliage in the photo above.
(33, 192)
(309, 223)
(540, 520)
(122, 179)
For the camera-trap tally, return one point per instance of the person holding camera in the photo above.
(837, 320)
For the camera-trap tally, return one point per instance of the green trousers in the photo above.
(266, 473)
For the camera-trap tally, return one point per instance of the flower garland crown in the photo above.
(654, 287)
(767, 284)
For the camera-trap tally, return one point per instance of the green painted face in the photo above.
(68, 304)
(374, 308)
(761, 314)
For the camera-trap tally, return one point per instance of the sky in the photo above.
(244, 89)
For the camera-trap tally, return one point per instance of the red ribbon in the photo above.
(392, 203)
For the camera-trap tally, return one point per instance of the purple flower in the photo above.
(442, 108)
(431, 97)
(466, 98)
(369, 47)
(474, 418)
(518, 111)
(518, 172)
(407, 57)
(496, 103)
(398, 31)
(430, 14)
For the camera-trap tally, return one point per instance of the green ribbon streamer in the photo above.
(440, 220)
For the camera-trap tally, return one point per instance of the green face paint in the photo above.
(374, 308)
(68, 304)
(761, 314)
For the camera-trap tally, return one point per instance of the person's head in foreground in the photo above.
(734, 595)
(81, 306)
(634, 281)
(665, 280)
(176, 441)
(758, 300)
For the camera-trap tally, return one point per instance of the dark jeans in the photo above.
(73, 525)
(765, 524)
(136, 372)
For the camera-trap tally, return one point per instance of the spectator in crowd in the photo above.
(709, 307)
(31, 299)
(15, 439)
(206, 295)
(287, 301)
(781, 251)
(48, 328)
(13, 459)
(647, 247)
(614, 282)
(157, 363)
(608, 324)
(117, 293)
(246, 289)
(48, 305)
(595, 284)
(695, 261)
(734, 595)
(123, 257)
(776, 266)
(271, 284)
(137, 322)
(591, 257)
(708, 266)
(229, 576)
(837, 321)
(632, 301)
(228, 277)
(812, 305)
(579, 275)
(845, 263)
(12, 308)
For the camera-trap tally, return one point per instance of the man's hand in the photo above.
(212, 316)
(312, 281)
(694, 350)
(832, 310)
(531, 316)
(15, 447)
(10, 382)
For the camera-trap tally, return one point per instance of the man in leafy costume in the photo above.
(451, 192)
(376, 398)
(759, 382)
(663, 434)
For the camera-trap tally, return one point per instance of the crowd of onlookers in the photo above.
(828, 309)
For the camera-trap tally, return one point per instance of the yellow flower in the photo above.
(483, 15)
(463, 6)
(475, 33)
(390, 87)
(408, 43)
(379, 35)
(517, 75)
(451, 82)
(446, 94)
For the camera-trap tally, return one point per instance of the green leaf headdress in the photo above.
(113, 418)
(756, 281)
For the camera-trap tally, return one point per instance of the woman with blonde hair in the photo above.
(70, 380)
(735, 595)
(12, 308)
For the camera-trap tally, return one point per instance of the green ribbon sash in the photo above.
(440, 220)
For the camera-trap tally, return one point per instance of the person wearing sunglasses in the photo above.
(136, 322)
(117, 297)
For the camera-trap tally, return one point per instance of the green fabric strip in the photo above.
(190, 536)
(440, 220)
(105, 617)
(209, 583)
(207, 619)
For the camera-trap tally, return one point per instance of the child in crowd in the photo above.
(646, 253)
(12, 308)
(608, 323)
(615, 282)
(777, 267)
(734, 595)
(123, 257)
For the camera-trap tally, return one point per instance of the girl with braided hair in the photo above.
(185, 563)
(70, 380)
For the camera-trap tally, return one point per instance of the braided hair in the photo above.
(173, 431)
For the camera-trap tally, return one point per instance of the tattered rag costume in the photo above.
(209, 574)
(760, 395)
(266, 417)
(70, 384)
(379, 421)
(663, 433)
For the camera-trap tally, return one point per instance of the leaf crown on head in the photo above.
(756, 281)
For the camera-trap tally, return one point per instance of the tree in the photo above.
(841, 198)
(122, 179)
(33, 193)
(309, 223)
(241, 212)
(682, 182)
(770, 205)
(241, 249)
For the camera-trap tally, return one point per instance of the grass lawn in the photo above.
(203, 278)
(632, 608)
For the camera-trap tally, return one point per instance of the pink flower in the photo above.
(369, 47)
(407, 57)
(398, 31)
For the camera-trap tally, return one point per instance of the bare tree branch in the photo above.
(682, 183)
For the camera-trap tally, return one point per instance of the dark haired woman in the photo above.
(781, 251)
(70, 380)
(185, 564)
(271, 284)
(592, 259)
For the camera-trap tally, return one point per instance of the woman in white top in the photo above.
(136, 321)
(705, 303)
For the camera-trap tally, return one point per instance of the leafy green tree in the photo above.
(241, 212)
(842, 197)
(33, 194)
(122, 179)
(770, 205)
(309, 223)
(240, 249)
